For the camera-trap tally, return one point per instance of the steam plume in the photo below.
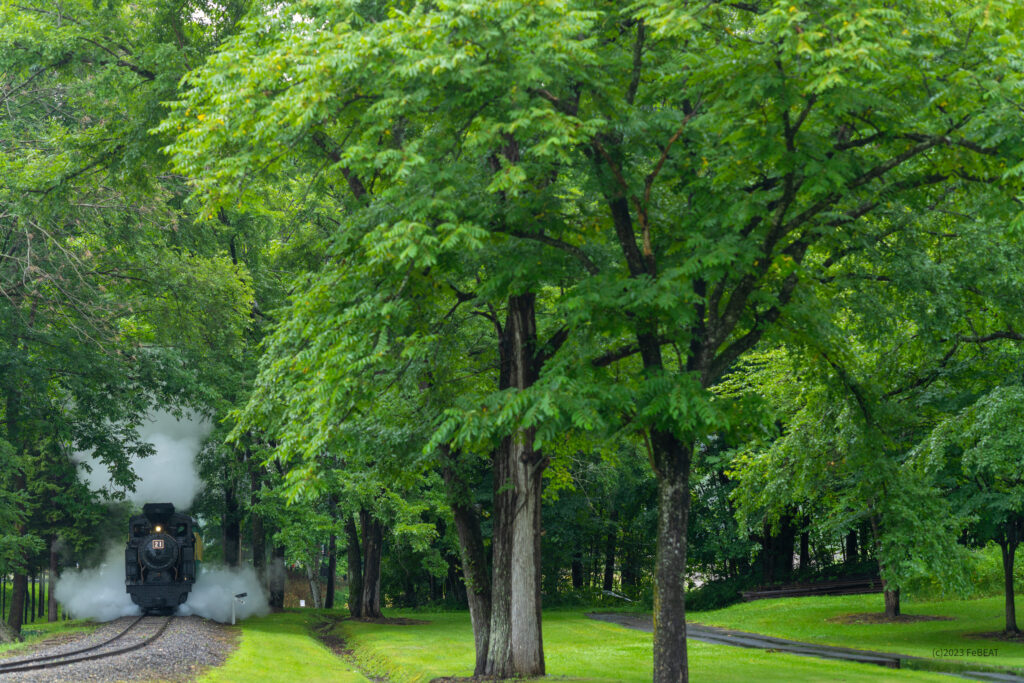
(170, 474)
(99, 593)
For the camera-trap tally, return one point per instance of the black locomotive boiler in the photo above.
(161, 560)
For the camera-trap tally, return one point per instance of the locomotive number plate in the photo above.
(158, 544)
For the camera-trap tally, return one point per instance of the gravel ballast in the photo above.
(186, 648)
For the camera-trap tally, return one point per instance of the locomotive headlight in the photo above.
(158, 529)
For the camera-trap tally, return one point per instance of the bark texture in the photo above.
(19, 597)
(499, 648)
(1008, 543)
(472, 555)
(355, 569)
(892, 602)
(332, 568)
(373, 535)
(670, 660)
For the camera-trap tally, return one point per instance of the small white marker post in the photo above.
(302, 603)
(239, 600)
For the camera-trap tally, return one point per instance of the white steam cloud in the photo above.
(170, 474)
(100, 594)
(216, 588)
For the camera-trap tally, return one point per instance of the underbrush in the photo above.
(986, 578)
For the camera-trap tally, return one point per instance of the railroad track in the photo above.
(86, 654)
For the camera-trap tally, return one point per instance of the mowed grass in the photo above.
(280, 648)
(807, 619)
(581, 649)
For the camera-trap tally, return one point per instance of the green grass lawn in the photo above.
(581, 649)
(41, 630)
(280, 648)
(806, 619)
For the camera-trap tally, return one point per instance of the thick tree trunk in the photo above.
(525, 609)
(891, 595)
(851, 547)
(277, 578)
(673, 461)
(51, 604)
(499, 648)
(332, 569)
(372, 541)
(516, 647)
(19, 595)
(355, 569)
(474, 560)
(892, 602)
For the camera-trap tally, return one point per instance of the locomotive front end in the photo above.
(161, 558)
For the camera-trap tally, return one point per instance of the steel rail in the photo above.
(66, 658)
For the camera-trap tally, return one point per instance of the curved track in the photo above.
(82, 654)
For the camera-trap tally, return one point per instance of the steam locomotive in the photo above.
(161, 560)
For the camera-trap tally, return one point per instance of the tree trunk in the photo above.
(372, 541)
(782, 551)
(865, 547)
(527, 641)
(19, 594)
(576, 569)
(499, 647)
(256, 526)
(313, 576)
(1008, 545)
(332, 568)
(851, 547)
(805, 551)
(51, 605)
(41, 601)
(672, 460)
(355, 569)
(516, 647)
(277, 578)
(609, 553)
(473, 557)
(892, 602)
(231, 526)
(522, 469)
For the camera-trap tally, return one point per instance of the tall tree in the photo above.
(676, 173)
